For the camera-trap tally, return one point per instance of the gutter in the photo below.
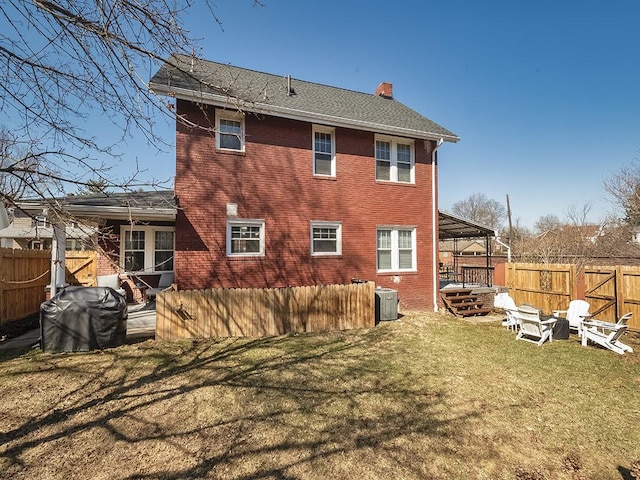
(293, 114)
(434, 229)
(508, 247)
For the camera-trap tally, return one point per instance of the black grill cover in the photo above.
(82, 319)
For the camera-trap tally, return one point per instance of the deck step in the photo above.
(463, 303)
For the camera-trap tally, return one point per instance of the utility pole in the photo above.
(510, 224)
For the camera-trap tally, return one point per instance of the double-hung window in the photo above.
(163, 251)
(394, 159)
(324, 151)
(245, 238)
(326, 238)
(229, 130)
(396, 249)
(147, 249)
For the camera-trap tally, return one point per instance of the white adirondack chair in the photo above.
(606, 334)
(532, 328)
(510, 309)
(577, 312)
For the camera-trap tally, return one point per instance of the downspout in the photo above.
(434, 227)
(507, 247)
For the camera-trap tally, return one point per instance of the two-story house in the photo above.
(282, 182)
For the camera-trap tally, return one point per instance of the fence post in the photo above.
(620, 297)
(2, 313)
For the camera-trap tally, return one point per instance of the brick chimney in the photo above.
(385, 89)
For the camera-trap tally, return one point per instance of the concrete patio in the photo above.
(141, 323)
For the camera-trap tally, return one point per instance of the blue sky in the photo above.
(544, 95)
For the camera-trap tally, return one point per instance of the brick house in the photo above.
(282, 182)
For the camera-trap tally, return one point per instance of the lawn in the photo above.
(428, 396)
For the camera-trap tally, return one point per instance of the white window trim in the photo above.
(331, 131)
(149, 246)
(323, 224)
(229, 115)
(395, 256)
(394, 141)
(249, 223)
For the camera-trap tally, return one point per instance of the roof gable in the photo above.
(233, 87)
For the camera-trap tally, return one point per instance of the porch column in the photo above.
(58, 245)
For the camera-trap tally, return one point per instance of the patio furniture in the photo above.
(577, 312)
(511, 310)
(111, 281)
(606, 334)
(532, 328)
(166, 279)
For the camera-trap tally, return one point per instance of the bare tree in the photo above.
(578, 214)
(480, 209)
(63, 61)
(547, 223)
(624, 188)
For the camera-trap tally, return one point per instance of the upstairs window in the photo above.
(396, 249)
(394, 160)
(229, 130)
(324, 152)
(41, 221)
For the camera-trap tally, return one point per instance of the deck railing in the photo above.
(477, 276)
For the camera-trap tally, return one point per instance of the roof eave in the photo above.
(264, 108)
(111, 213)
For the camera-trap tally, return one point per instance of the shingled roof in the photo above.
(204, 81)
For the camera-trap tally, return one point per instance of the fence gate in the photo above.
(601, 288)
(81, 267)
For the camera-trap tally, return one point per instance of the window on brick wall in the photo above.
(326, 238)
(229, 130)
(146, 249)
(396, 249)
(394, 159)
(324, 151)
(245, 238)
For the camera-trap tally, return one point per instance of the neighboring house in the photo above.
(135, 232)
(282, 182)
(33, 231)
(465, 247)
(588, 232)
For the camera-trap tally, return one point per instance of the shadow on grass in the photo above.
(298, 401)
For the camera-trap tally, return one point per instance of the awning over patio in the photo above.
(455, 227)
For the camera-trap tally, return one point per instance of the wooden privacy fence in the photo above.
(259, 312)
(25, 275)
(611, 291)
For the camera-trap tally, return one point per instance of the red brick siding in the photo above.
(273, 181)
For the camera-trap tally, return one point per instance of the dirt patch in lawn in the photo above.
(426, 397)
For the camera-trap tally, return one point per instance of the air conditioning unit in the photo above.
(386, 304)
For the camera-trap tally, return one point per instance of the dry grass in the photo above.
(426, 397)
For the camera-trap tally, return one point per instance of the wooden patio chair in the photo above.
(577, 313)
(606, 334)
(532, 328)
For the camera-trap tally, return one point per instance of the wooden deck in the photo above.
(462, 302)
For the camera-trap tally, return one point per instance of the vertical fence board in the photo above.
(260, 312)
